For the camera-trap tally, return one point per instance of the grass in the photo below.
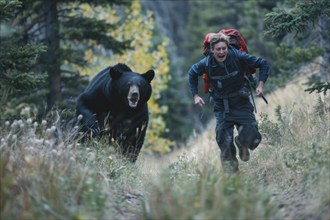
(46, 174)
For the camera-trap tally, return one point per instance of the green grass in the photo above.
(48, 176)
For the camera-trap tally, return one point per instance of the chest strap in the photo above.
(232, 74)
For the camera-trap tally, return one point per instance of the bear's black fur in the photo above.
(115, 104)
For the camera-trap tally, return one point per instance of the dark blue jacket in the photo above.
(229, 65)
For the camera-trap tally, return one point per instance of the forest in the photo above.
(50, 51)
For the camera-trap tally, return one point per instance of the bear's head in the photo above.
(132, 87)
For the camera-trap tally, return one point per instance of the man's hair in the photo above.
(219, 37)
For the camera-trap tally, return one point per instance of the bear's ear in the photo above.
(115, 73)
(149, 75)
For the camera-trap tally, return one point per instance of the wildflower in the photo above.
(14, 137)
(28, 158)
(7, 123)
(13, 125)
(48, 131)
(80, 117)
(44, 122)
(37, 141)
(35, 124)
(70, 146)
(91, 156)
(53, 129)
(29, 121)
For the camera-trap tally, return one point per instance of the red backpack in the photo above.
(237, 41)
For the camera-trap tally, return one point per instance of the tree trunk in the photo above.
(324, 29)
(53, 44)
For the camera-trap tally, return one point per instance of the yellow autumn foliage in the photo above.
(144, 54)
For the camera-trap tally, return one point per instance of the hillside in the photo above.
(292, 95)
(270, 168)
(47, 174)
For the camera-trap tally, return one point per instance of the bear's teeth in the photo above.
(133, 103)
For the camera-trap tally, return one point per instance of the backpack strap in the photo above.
(239, 66)
(208, 68)
(225, 76)
(237, 63)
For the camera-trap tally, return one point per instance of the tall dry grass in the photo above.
(286, 178)
(47, 174)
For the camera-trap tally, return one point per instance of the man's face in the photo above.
(220, 51)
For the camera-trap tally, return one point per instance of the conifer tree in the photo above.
(17, 59)
(306, 14)
(67, 33)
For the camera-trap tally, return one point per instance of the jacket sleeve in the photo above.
(256, 62)
(194, 72)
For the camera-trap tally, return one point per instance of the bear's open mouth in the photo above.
(133, 96)
(133, 102)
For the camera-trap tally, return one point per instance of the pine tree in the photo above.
(305, 15)
(63, 27)
(17, 59)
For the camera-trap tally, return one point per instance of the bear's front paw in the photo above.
(95, 129)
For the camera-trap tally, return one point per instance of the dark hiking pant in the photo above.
(244, 120)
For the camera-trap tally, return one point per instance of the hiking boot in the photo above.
(244, 153)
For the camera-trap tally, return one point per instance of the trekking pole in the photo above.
(253, 85)
(263, 97)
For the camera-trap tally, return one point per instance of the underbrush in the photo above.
(296, 160)
(47, 174)
(191, 189)
(286, 178)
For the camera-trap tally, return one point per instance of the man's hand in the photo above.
(259, 90)
(198, 100)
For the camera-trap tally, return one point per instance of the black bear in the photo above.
(115, 104)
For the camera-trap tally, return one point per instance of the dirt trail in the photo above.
(287, 97)
(203, 145)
